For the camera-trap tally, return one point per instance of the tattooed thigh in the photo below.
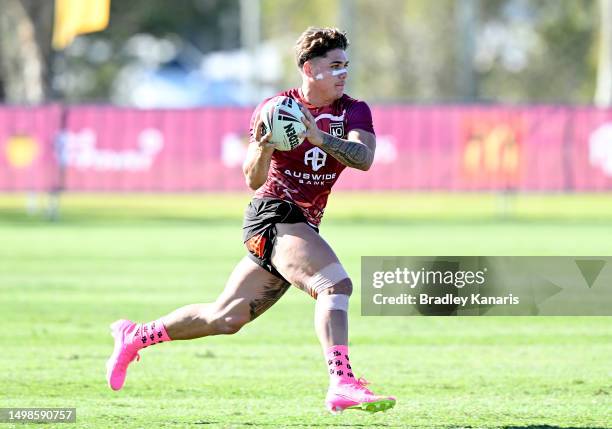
(271, 291)
(249, 291)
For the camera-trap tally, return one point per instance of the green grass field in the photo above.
(111, 256)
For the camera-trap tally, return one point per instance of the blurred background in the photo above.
(499, 95)
(234, 52)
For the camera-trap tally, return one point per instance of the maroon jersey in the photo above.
(306, 174)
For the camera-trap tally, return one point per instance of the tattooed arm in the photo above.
(356, 151)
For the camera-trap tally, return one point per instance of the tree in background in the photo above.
(25, 50)
(537, 51)
(603, 93)
(417, 51)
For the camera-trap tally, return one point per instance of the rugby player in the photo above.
(280, 229)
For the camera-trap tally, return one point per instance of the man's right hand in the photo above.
(259, 154)
(263, 140)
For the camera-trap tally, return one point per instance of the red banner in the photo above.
(544, 148)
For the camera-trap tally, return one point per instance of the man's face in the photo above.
(329, 73)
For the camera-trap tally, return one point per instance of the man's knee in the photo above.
(332, 280)
(335, 297)
(343, 287)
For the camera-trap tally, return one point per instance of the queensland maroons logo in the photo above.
(315, 157)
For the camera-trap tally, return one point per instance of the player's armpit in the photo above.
(357, 151)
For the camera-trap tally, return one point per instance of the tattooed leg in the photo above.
(249, 292)
(270, 294)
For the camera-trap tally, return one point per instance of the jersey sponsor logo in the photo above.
(336, 129)
(316, 157)
(310, 178)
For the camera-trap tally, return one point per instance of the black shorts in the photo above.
(259, 228)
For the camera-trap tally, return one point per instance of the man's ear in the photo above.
(307, 68)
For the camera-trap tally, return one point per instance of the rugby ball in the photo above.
(282, 116)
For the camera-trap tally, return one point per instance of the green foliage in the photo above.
(561, 66)
(401, 50)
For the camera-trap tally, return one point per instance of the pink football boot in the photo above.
(124, 353)
(354, 395)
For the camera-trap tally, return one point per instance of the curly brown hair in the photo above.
(317, 42)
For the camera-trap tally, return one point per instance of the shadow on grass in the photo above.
(554, 427)
(340, 424)
(325, 425)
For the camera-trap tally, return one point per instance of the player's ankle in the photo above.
(339, 367)
(148, 334)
